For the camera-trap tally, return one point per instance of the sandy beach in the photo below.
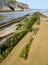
(38, 54)
(14, 56)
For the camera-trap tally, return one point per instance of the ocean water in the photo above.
(12, 15)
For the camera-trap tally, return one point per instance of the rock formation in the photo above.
(12, 5)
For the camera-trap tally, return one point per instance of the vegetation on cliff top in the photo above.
(12, 1)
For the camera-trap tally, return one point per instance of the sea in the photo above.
(17, 14)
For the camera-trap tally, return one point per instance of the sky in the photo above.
(36, 4)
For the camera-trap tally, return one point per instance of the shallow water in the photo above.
(11, 15)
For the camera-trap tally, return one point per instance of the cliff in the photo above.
(12, 5)
(22, 6)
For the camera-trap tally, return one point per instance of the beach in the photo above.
(38, 54)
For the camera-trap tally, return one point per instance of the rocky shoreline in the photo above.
(9, 10)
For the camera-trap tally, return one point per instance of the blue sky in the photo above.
(36, 4)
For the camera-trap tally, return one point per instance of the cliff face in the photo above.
(18, 5)
(9, 5)
(22, 6)
(3, 6)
